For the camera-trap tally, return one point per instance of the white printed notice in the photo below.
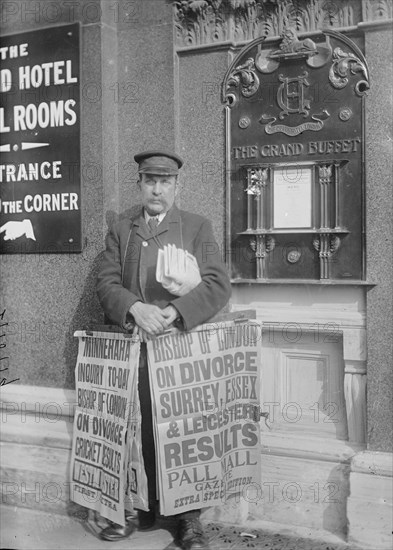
(292, 197)
(106, 381)
(205, 387)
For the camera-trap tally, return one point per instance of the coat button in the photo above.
(145, 243)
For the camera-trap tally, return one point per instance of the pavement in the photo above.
(24, 528)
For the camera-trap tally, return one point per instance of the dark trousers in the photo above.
(148, 448)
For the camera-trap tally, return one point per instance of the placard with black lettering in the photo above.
(205, 390)
(106, 421)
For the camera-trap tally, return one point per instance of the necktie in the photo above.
(153, 223)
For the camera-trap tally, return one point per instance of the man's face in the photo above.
(158, 193)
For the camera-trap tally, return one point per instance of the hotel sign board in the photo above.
(40, 191)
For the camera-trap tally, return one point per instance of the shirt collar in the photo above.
(159, 217)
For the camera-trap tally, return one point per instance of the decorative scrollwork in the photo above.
(257, 178)
(270, 243)
(231, 99)
(326, 245)
(258, 246)
(325, 173)
(262, 245)
(245, 77)
(344, 64)
(335, 242)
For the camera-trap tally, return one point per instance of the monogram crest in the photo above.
(291, 95)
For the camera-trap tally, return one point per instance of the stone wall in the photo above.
(127, 89)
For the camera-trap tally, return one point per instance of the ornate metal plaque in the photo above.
(295, 114)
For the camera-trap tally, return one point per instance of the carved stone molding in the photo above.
(377, 10)
(355, 403)
(355, 381)
(202, 22)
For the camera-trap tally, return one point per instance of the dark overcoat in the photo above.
(127, 272)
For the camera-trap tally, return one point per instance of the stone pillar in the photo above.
(146, 89)
(379, 215)
(369, 506)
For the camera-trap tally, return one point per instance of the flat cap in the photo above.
(159, 162)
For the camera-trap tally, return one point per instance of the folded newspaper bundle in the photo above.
(177, 270)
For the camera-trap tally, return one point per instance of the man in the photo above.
(132, 298)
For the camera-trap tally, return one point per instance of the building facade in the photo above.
(152, 74)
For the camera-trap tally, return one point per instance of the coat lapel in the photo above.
(142, 228)
(169, 231)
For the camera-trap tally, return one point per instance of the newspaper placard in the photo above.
(205, 387)
(106, 381)
(136, 495)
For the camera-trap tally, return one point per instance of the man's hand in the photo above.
(170, 313)
(151, 319)
(143, 336)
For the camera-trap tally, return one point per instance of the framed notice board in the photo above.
(40, 195)
(295, 151)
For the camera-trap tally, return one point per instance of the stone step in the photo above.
(24, 528)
